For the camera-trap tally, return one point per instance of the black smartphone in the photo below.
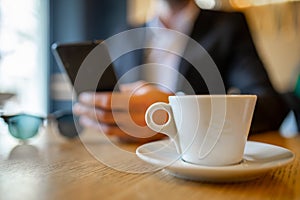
(70, 56)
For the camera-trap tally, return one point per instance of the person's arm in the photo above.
(120, 114)
(247, 73)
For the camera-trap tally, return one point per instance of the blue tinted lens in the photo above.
(23, 126)
(67, 126)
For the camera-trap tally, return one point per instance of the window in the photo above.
(23, 50)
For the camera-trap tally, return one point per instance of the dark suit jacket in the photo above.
(227, 39)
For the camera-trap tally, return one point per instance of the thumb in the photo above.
(130, 87)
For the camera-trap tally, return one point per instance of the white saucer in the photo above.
(259, 158)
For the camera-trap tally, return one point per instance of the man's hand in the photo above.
(121, 114)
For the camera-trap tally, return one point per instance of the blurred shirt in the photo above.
(164, 64)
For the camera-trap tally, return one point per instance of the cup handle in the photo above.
(169, 128)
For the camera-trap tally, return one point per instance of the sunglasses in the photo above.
(25, 126)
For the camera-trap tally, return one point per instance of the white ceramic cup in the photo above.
(207, 130)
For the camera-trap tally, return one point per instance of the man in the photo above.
(225, 36)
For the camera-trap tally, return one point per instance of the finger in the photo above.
(105, 100)
(89, 123)
(91, 99)
(123, 136)
(94, 114)
(127, 139)
(121, 130)
(120, 134)
(129, 87)
(110, 117)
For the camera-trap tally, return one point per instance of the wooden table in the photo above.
(51, 167)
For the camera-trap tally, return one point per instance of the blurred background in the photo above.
(28, 28)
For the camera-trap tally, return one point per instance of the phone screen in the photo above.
(70, 56)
